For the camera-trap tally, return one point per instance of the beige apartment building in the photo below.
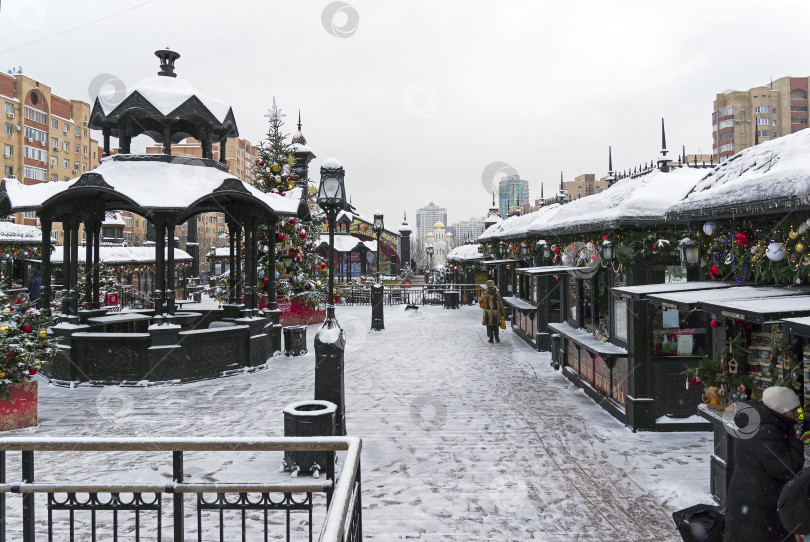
(240, 155)
(44, 138)
(741, 117)
(584, 185)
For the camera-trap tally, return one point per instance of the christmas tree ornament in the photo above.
(793, 235)
(776, 252)
(799, 247)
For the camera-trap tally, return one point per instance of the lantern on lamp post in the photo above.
(378, 229)
(330, 340)
(607, 251)
(690, 252)
(429, 252)
(377, 294)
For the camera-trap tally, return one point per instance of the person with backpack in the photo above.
(493, 311)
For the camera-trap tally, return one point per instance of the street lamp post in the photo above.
(330, 340)
(377, 290)
(429, 252)
(378, 229)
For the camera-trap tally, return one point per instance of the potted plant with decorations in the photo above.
(25, 346)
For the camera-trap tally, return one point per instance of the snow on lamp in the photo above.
(331, 192)
(607, 251)
(690, 252)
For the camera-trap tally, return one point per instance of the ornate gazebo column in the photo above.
(74, 269)
(66, 226)
(46, 225)
(160, 267)
(169, 292)
(193, 246)
(250, 269)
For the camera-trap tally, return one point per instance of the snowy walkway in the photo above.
(463, 440)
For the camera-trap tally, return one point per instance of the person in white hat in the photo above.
(766, 456)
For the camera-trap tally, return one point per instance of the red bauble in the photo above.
(337, 298)
(742, 239)
(323, 266)
(283, 193)
(261, 164)
(10, 354)
(714, 272)
(32, 371)
(292, 221)
(280, 236)
(303, 235)
(604, 237)
(298, 258)
(26, 329)
(654, 248)
(714, 323)
(556, 250)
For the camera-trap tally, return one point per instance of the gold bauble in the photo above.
(267, 169)
(799, 247)
(4, 329)
(43, 333)
(2, 374)
(276, 167)
(318, 284)
(793, 235)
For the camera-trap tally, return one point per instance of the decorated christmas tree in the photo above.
(25, 344)
(298, 268)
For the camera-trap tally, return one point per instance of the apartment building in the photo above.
(741, 118)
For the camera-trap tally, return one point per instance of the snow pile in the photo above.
(772, 173)
(629, 201)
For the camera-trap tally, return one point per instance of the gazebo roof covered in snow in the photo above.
(761, 179)
(520, 225)
(347, 243)
(144, 184)
(162, 105)
(465, 253)
(123, 255)
(19, 233)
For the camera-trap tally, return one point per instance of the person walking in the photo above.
(493, 311)
(763, 464)
(34, 287)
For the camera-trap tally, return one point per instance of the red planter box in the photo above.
(295, 313)
(22, 412)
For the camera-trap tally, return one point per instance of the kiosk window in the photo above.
(678, 333)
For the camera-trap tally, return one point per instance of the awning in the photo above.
(546, 270)
(498, 262)
(696, 299)
(519, 303)
(641, 292)
(760, 311)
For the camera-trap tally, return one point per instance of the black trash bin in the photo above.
(451, 299)
(700, 523)
(556, 350)
(295, 340)
(308, 419)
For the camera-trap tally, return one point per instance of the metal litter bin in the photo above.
(295, 340)
(451, 299)
(308, 419)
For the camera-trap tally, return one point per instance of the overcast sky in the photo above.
(417, 98)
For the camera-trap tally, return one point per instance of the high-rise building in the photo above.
(426, 218)
(584, 185)
(472, 228)
(45, 136)
(741, 118)
(513, 192)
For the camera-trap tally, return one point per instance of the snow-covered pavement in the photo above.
(462, 439)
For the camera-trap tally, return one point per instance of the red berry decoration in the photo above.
(292, 221)
(714, 271)
(604, 237)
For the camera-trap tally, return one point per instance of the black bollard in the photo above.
(377, 320)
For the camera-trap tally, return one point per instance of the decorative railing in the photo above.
(429, 294)
(130, 297)
(139, 510)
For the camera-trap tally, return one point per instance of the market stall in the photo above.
(750, 343)
(537, 302)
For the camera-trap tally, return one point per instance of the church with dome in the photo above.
(442, 242)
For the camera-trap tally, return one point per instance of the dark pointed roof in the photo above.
(163, 98)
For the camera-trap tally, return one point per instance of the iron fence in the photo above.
(428, 294)
(135, 511)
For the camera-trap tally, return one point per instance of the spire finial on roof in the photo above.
(299, 120)
(561, 181)
(167, 58)
(756, 131)
(610, 159)
(541, 191)
(663, 138)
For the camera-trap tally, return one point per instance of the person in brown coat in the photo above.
(493, 310)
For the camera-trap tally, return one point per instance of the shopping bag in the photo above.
(503, 322)
(700, 523)
(483, 303)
